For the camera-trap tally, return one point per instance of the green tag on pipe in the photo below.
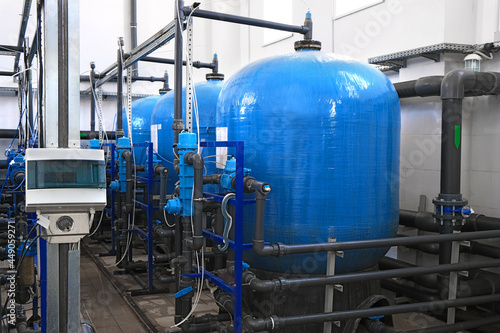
(457, 136)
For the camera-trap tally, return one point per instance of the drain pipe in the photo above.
(127, 156)
(196, 160)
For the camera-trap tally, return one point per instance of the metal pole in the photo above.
(93, 97)
(119, 90)
(178, 124)
(63, 112)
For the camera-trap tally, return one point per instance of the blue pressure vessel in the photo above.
(324, 131)
(162, 119)
(141, 124)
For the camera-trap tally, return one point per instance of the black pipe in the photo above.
(244, 20)
(284, 284)
(423, 87)
(281, 322)
(183, 304)
(127, 156)
(379, 327)
(5, 73)
(94, 97)
(427, 280)
(11, 48)
(425, 221)
(212, 179)
(166, 88)
(178, 124)
(196, 64)
(119, 91)
(41, 125)
(218, 229)
(196, 160)
(284, 249)
(414, 293)
(84, 78)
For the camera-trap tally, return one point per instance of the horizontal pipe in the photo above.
(4, 73)
(85, 78)
(379, 327)
(11, 48)
(196, 64)
(385, 310)
(279, 249)
(283, 284)
(425, 221)
(244, 20)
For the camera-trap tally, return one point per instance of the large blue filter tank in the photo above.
(141, 124)
(324, 131)
(162, 119)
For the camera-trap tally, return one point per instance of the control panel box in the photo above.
(65, 180)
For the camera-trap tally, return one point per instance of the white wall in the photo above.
(392, 26)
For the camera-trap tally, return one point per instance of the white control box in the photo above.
(65, 186)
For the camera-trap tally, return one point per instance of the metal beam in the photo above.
(22, 31)
(156, 41)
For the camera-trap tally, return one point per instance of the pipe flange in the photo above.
(283, 284)
(215, 76)
(307, 45)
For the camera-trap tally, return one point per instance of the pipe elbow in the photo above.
(456, 82)
(261, 324)
(263, 250)
(196, 160)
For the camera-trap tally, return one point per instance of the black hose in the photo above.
(127, 155)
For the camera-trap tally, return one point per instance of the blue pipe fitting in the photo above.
(94, 144)
(114, 185)
(174, 206)
(122, 144)
(229, 173)
(183, 292)
(188, 143)
(29, 252)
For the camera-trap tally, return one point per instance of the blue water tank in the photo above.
(324, 131)
(141, 124)
(162, 119)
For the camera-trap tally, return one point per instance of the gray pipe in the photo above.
(284, 284)
(127, 155)
(133, 32)
(196, 160)
(379, 327)
(119, 92)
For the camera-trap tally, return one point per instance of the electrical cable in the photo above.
(484, 55)
(229, 219)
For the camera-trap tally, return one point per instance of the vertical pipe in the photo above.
(119, 91)
(63, 112)
(178, 124)
(93, 97)
(41, 142)
(451, 146)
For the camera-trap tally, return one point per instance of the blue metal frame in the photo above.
(42, 252)
(237, 245)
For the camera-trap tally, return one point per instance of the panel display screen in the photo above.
(45, 174)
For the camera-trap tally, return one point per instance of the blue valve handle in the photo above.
(228, 220)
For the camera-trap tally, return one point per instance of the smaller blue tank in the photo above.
(207, 94)
(141, 124)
